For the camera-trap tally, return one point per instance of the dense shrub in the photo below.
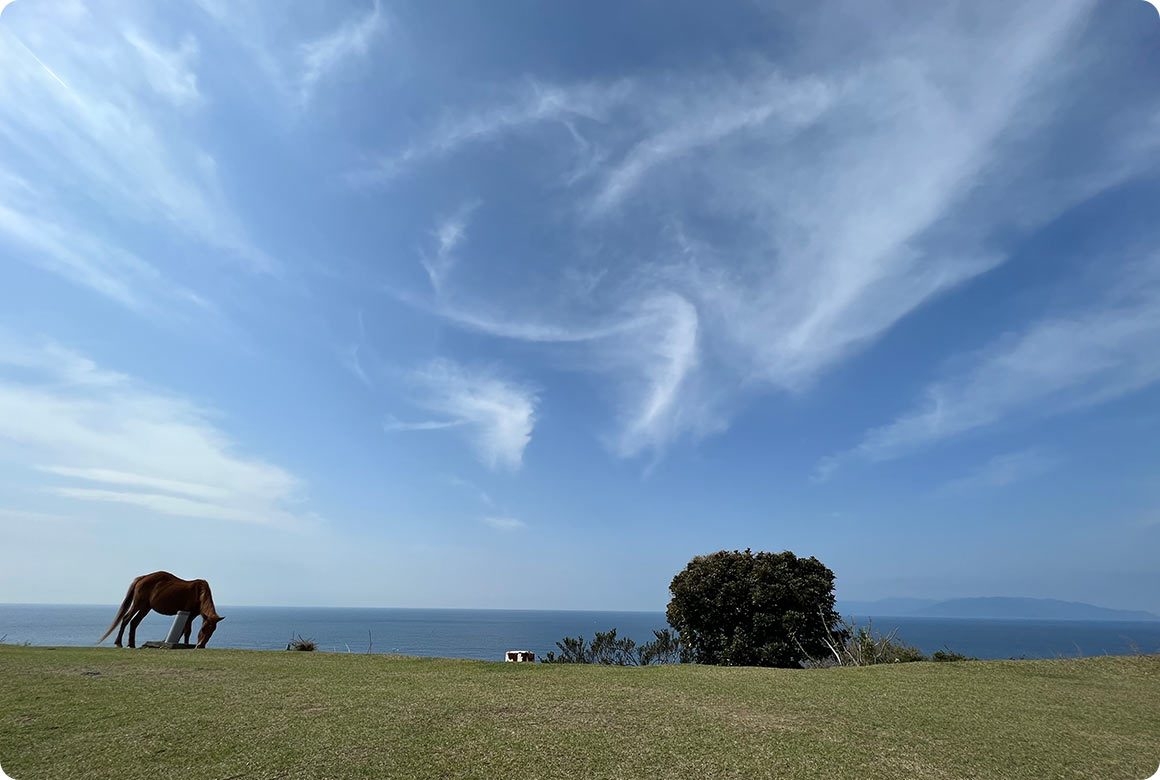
(754, 609)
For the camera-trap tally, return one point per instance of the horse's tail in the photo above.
(121, 612)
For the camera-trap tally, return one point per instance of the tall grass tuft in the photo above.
(854, 645)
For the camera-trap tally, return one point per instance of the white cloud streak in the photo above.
(1053, 366)
(652, 349)
(352, 362)
(147, 449)
(535, 103)
(843, 201)
(498, 415)
(845, 222)
(83, 259)
(325, 55)
(79, 113)
(391, 424)
(470, 316)
(113, 477)
(1006, 469)
(657, 359)
(169, 72)
(472, 488)
(695, 119)
(505, 524)
(448, 235)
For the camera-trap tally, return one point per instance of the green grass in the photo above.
(108, 713)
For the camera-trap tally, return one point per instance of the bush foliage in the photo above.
(298, 643)
(754, 609)
(750, 609)
(608, 649)
(858, 645)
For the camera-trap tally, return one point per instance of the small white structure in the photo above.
(177, 629)
(519, 656)
(172, 641)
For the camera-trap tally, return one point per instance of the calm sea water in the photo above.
(487, 634)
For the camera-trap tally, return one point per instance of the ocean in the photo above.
(488, 634)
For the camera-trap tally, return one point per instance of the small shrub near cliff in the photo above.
(855, 645)
(298, 643)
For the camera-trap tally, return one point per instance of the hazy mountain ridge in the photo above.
(999, 607)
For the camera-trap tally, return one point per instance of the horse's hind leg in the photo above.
(124, 625)
(136, 621)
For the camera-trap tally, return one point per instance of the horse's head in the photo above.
(208, 624)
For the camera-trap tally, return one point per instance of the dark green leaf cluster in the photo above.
(754, 609)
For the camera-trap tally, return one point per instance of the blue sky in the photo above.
(523, 305)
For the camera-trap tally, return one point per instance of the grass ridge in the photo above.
(108, 713)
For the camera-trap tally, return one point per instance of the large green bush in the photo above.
(754, 609)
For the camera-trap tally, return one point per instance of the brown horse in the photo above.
(167, 595)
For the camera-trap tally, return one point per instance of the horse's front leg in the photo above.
(136, 621)
(188, 627)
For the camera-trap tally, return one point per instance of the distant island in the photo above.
(999, 607)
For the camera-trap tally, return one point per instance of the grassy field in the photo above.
(108, 713)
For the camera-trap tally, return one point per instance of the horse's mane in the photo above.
(205, 599)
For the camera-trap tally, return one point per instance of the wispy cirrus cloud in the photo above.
(130, 479)
(656, 360)
(86, 260)
(532, 103)
(496, 414)
(692, 119)
(324, 55)
(111, 439)
(448, 235)
(536, 328)
(351, 359)
(1055, 365)
(651, 350)
(472, 488)
(505, 524)
(850, 243)
(82, 111)
(1006, 469)
(392, 424)
(97, 167)
(358, 356)
(840, 202)
(169, 71)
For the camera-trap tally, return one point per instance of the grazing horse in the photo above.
(167, 595)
